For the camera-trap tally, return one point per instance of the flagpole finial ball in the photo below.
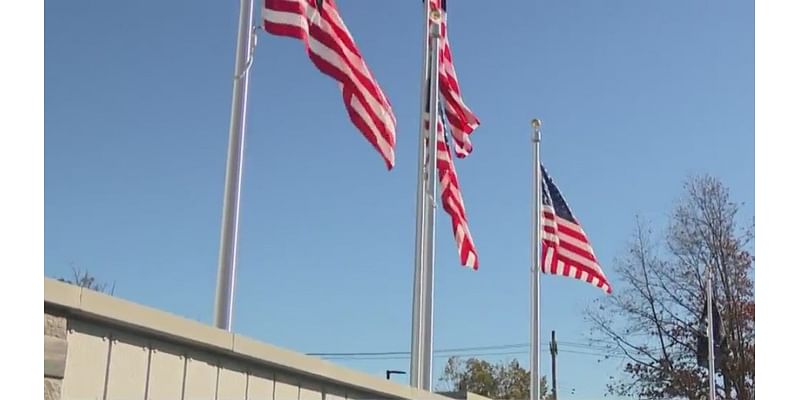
(536, 123)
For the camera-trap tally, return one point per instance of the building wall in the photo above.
(55, 355)
(109, 363)
(99, 347)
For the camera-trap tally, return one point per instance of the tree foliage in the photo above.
(653, 319)
(497, 381)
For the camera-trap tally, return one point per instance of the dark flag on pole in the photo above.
(720, 343)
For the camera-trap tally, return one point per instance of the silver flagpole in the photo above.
(536, 259)
(712, 391)
(417, 328)
(226, 276)
(433, 92)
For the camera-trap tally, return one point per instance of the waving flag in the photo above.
(462, 120)
(565, 248)
(452, 201)
(332, 49)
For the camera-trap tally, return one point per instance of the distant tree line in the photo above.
(499, 381)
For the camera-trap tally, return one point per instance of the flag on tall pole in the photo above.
(461, 119)
(454, 120)
(332, 49)
(438, 79)
(719, 341)
(714, 343)
(334, 52)
(462, 122)
(559, 246)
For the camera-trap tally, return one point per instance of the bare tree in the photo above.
(85, 280)
(653, 318)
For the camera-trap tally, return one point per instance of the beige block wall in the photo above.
(109, 363)
(119, 350)
(55, 346)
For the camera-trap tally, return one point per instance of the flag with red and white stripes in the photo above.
(452, 201)
(332, 49)
(565, 248)
(461, 119)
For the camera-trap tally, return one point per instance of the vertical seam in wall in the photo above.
(183, 383)
(108, 366)
(274, 384)
(216, 386)
(147, 376)
(247, 385)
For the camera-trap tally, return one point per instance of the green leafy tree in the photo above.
(500, 381)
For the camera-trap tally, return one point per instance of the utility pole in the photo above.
(553, 353)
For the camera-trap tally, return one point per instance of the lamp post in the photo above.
(389, 373)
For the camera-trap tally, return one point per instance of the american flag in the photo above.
(452, 201)
(565, 248)
(462, 121)
(332, 49)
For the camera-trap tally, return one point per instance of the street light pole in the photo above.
(389, 373)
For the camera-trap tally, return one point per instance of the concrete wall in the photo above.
(55, 354)
(464, 396)
(101, 347)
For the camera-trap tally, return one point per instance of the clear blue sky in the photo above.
(635, 95)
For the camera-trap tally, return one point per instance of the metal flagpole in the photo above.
(712, 392)
(536, 259)
(417, 328)
(223, 307)
(433, 93)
